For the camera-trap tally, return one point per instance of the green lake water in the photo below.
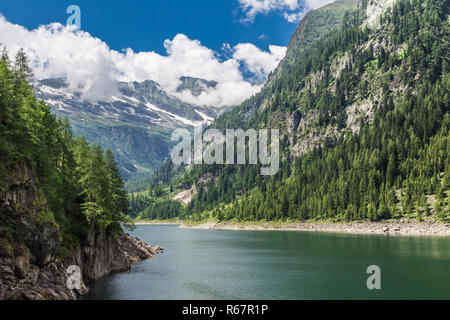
(275, 265)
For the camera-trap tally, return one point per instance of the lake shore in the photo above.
(404, 228)
(392, 227)
(158, 223)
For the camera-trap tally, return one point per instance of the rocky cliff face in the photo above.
(32, 265)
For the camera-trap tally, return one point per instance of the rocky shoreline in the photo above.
(21, 279)
(391, 227)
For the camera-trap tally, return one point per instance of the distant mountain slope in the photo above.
(136, 125)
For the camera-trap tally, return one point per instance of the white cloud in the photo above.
(292, 10)
(258, 62)
(56, 51)
(294, 17)
(92, 67)
(254, 7)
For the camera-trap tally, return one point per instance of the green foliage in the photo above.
(163, 210)
(163, 175)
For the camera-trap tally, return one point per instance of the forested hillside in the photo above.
(364, 119)
(77, 186)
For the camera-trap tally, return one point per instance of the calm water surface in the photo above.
(223, 264)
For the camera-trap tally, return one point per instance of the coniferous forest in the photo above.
(395, 165)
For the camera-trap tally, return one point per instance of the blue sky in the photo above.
(144, 25)
(236, 43)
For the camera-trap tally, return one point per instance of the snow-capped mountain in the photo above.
(136, 124)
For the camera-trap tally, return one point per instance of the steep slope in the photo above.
(313, 27)
(136, 125)
(364, 121)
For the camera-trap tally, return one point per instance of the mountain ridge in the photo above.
(136, 125)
